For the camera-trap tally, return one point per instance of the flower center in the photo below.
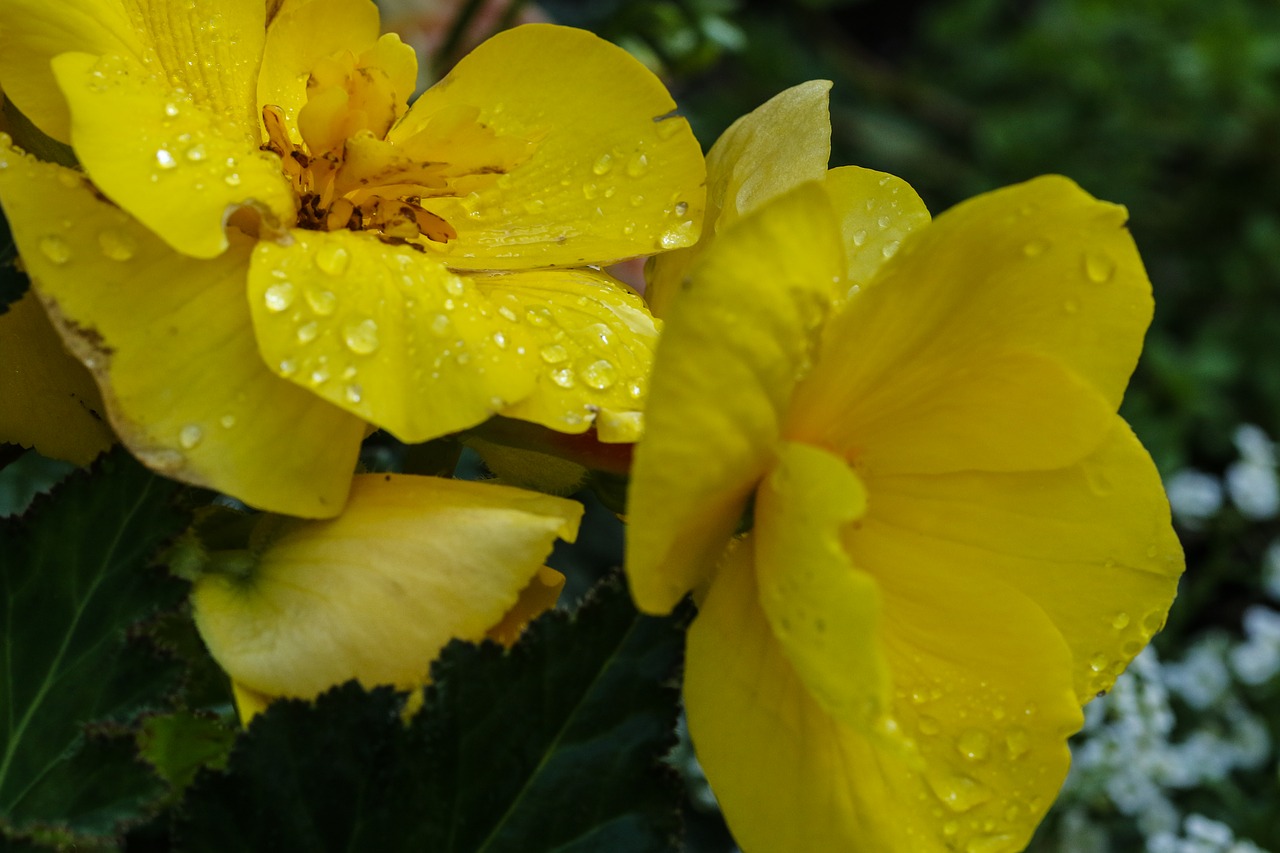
(347, 174)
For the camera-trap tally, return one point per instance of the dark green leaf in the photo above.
(555, 745)
(75, 584)
(13, 282)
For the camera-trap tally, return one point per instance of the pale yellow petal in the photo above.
(385, 332)
(775, 148)
(594, 339)
(170, 341)
(997, 338)
(47, 399)
(376, 593)
(723, 375)
(1092, 545)
(178, 165)
(877, 211)
(612, 173)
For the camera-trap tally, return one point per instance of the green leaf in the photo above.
(553, 745)
(74, 678)
(13, 282)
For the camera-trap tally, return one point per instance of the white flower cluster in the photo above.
(1250, 482)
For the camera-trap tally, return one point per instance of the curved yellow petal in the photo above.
(385, 332)
(180, 167)
(301, 34)
(594, 339)
(374, 594)
(541, 594)
(33, 32)
(47, 399)
(612, 174)
(723, 375)
(1092, 545)
(171, 344)
(778, 146)
(1038, 275)
(824, 612)
(978, 776)
(877, 211)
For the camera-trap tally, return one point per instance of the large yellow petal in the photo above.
(1092, 545)
(302, 33)
(47, 399)
(177, 164)
(33, 32)
(978, 776)
(1015, 311)
(171, 343)
(824, 612)
(723, 375)
(386, 333)
(877, 211)
(612, 175)
(594, 338)
(375, 594)
(778, 146)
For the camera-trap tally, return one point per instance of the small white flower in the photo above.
(1194, 495)
(1254, 490)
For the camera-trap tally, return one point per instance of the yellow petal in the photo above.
(535, 599)
(612, 175)
(823, 611)
(180, 167)
(723, 375)
(385, 332)
(780, 145)
(301, 34)
(171, 343)
(996, 339)
(49, 399)
(375, 594)
(33, 32)
(594, 340)
(877, 211)
(788, 776)
(1091, 544)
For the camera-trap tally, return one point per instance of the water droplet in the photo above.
(890, 249)
(454, 286)
(196, 153)
(1098, 662)
(55, 249)
(682, 207)
(1035, 248)
(1099, 267)
(227, 421)
(440, 325)
(600, 375)
(116, 245)
(353, 393)
(500, 339)
(278, 297)
(1120, 622)
(333, 259)
(319, 375)
(307, 332)
(669, 240)
(929, 726)
(604, 165)
(637, 165)
(883, 222)
(668, 127)
(974, 745)
(562, 377)
(361, 336)
(553, 353)
(859, 237)
(231, 179)
(590, 191)
(288, 367)
(635, 390)
(1153, 621)
(322, 301)
(508, 313)
(958, 793)
(189, 436)
(164, 159)
(538, 316)
(171, 110)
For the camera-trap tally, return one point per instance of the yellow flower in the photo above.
(376, 593)
(418, 268)
(956, 541)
